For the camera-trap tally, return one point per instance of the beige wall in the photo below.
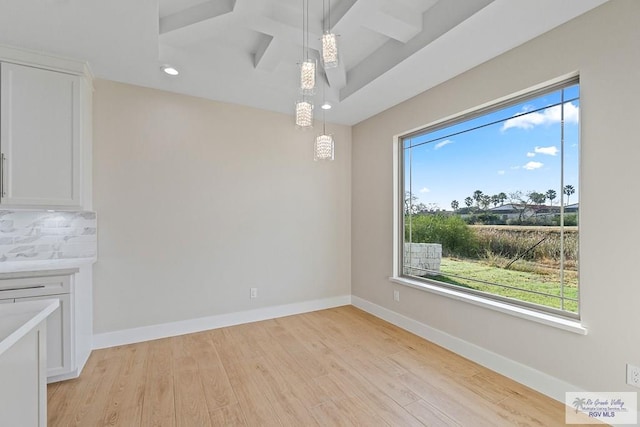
(198, 201)
(604, 47)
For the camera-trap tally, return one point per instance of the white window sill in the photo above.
(521, 312)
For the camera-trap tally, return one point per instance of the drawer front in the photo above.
(34, 287)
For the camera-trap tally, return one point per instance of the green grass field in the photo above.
(472, 274)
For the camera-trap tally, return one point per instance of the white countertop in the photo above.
(41, 265)
(18, 319)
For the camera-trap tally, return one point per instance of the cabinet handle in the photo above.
(21, 288)
(2, 175)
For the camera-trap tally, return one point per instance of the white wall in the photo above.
(604, 47)
(198, 201)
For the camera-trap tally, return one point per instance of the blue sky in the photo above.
(521, 152)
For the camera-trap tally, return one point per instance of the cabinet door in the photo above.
(23, 394)
(39, 137)
(59, 344)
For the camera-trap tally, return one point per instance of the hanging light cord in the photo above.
(324, 123)
(326, 17)
(324, 119)
(324, 21)
(306, 30)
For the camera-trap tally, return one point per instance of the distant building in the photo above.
(572, 208)
(522, 211)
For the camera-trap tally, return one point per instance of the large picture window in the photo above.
(491, 201)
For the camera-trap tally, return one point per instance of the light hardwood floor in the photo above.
(332, 367)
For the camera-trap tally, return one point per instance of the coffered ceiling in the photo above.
(246, 51)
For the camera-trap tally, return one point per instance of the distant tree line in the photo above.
(483, 201)
(476, 209)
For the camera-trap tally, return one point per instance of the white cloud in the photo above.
(533, 165)
(530, 154)
(551, 151)
(526, 120)
(501, 172)
(424, 190)
(514, 167)
(441, 144)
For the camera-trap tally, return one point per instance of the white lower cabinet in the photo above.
(61, 361)
(59, 346)
(23, 391)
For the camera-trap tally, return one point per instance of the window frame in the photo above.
(543, 314)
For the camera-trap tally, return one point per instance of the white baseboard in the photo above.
(82, 362)
(537, 380)
(153, 332)
(63, 377)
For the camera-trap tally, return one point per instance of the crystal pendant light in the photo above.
(304, 114)
(308, 66)
(304, 108)
(329, 50)
(323, 149)
(308, 77)
(329, 42)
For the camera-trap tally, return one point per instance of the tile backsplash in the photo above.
(43, 235)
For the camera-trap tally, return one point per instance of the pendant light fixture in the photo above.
(329, 41)
(304, 114)
(308, 65)
(323, 148)
(304, 108)
(308, 77)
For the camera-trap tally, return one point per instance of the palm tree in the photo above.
(502, 197)
(495, 199)
(468, 201)
(551, 195)
(455, 205)
(485, 201)
(477, 196)
(569, 190)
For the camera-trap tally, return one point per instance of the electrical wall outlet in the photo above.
(254, 293)
(633, 375)
(396, 295)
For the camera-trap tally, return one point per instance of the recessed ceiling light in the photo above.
(326, 106)
(169, 70)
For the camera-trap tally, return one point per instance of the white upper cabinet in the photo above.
(40, 137)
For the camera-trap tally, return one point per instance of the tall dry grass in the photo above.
(510, 242)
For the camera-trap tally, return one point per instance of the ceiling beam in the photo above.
(337, 76)
(268, 54)
(340, 11)
(395, 21)
(195, 14)
(437, 20)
